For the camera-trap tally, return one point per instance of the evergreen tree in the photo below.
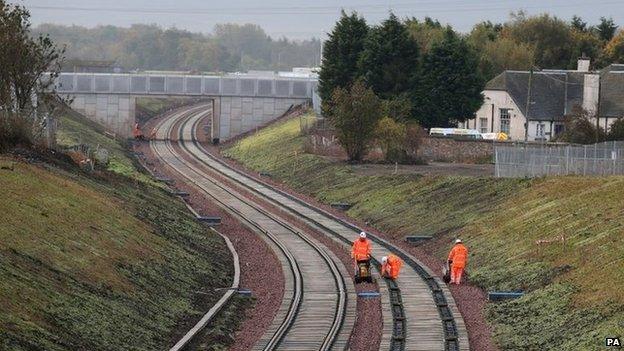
(606, 29)
(340, 55)
(390, 60)
(578, 24)
(450, 86)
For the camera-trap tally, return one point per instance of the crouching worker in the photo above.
(457, 259)
(391, 266)
(360, 252)
(137, 133)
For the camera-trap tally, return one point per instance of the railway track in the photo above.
(419, 312)
(318, 308)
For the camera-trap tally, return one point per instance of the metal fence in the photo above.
(535, 160)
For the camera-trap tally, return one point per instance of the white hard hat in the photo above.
(363, 235)
(457, 241)
(384, 259)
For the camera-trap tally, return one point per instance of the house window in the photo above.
(505, 120)
(539, 130)
(483, 125)
(559, 128)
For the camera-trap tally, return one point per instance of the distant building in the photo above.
(555, 94)
(91, 66)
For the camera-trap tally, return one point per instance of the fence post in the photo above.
(567, 164)
(496, 164)
(584, 159)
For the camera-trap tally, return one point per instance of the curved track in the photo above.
(419, 311)
(316, 313)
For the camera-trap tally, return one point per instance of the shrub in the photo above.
(14, 131)
(391, 138)
(616, 132)
(581, 129)
(355, 114)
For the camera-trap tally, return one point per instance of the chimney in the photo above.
(583, 64)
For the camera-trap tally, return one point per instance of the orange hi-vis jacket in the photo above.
(459, 255)
(136, 131)
(361, 249)
(393, 266)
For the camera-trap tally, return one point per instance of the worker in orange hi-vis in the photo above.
(137, 131)
(361, 249)
(391, 266)
(457, 259)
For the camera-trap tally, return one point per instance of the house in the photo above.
(554, 94)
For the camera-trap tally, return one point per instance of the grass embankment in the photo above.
(75, 130)
(148, 107)
(102, 261)
(575, 290)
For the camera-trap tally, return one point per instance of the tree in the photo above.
(398, 108)
(614, 50)
(503, 54)
(390, 60)
(425, 33)
(484, 33)
(28, 69)
(340, 55)
(391, 138)
(616, 131)
(354, 114)
(451, 85)
(580, 128)
(550, 36)
(585, 44)
(606, 28)
(578, 24)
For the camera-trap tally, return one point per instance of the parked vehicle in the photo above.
(495, 136)
(459, 133)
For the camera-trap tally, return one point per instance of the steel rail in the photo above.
(289, 319)
(341, 303)
(447, 318)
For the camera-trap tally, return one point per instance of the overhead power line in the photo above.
(416, 7)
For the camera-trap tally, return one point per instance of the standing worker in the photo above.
(390, 266)
(457, 259)
(361, 249)
(361, 252)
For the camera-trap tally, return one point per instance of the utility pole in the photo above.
(528, 106)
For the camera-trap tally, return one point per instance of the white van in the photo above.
(456, 133)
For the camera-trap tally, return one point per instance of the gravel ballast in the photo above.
(262, 276)
(470, 300)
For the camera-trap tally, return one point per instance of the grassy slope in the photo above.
(101, 262)
(75, 129)
(576, 298)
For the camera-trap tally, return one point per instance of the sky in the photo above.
(299, 19)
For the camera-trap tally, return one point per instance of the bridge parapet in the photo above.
(187, 85)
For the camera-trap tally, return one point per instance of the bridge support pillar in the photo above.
(115, 112)
(215, 135)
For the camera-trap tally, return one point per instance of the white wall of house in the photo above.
(488, 117)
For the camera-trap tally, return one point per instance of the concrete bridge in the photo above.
(240, 102)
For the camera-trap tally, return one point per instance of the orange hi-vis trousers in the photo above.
(456, 274)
